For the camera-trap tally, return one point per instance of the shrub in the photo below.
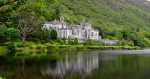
(11, 48)
(126, 42)
(12, 34)
(3, 50)
(147, 42)
(60, 41)
(53, 35)
(2, 77)
(76, 41)
(88, 42)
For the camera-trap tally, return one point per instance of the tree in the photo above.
(8, 10)
(2, 33)
(12, 34)
(31, 15)
(6, 2)
(41, 35)
(27, 23)
(53, 34)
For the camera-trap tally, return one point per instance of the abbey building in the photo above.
(82, 31)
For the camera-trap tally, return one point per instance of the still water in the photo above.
(97, 64)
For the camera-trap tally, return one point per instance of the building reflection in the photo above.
(81, 63)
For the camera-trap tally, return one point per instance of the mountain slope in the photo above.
(110, 16)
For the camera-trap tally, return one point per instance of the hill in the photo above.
(110, 16)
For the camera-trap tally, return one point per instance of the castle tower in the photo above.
(83, 22)
(62, 19)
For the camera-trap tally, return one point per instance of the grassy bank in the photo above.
(96, 47)
(38, 51)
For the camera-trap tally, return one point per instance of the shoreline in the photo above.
(46, 47)
(38, 51)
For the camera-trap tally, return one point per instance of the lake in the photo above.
(106, 64)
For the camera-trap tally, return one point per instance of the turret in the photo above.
(85, 25)
(62, 19)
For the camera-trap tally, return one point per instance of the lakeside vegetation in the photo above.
(49, 50)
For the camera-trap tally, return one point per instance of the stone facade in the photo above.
(82, 32)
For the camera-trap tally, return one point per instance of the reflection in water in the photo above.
(83, 65)
(80, 63)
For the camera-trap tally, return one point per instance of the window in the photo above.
(92, 34)
(73, 31)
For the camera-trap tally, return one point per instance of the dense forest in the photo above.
(128, 20)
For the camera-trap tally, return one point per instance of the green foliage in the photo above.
(12, 34)
(11, 47)
(126, 43)
(8, 34)
(70, 41)
(3, 50)
(139, 42)
(41, 35)
(73, 41)
(76, 41)
(45, 35)
(53, 35)
(2, 33)
(60, 41)
(16, 13)
(1, 77)
(88, 42)
(147, 42)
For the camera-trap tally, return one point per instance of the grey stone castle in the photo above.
(82, 31)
